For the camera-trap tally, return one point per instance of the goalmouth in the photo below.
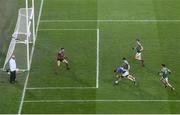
(23, 38)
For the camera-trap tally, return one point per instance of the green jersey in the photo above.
(138, 47)
(165, 72)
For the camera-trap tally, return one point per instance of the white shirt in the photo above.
(12, 64)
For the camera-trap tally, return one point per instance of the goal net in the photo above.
(21, 40)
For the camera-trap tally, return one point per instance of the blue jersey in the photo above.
(120, 70)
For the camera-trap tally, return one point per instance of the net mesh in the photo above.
(18, 45)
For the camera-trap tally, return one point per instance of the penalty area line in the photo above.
(67, 29)
(97, 59)
(49, 88)
(84, 101)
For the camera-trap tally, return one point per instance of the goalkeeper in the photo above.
(61, 58)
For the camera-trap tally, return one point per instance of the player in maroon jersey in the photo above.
(61, 58)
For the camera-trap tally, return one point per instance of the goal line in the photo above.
(103, 101)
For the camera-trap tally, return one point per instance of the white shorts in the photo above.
(165, 79)
(125, 74)
(138, 56)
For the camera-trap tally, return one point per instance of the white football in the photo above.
(116, 82)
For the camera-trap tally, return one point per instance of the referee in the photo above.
(12, 65)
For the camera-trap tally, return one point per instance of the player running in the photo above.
(164, 73)
(125, 64)
(120, 73)
(62, 58)
(139, 49)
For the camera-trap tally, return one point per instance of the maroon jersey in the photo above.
(61, 56)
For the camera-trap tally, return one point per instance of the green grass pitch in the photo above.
(73, 24)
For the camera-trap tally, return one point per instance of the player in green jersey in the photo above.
(139, 48)
(164, 73)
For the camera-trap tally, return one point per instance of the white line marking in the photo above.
(54, 21)
(80, 101)
(27, 77)
(66, 29)
(39, 17)
(23, 95)
(47, 88)
(97, 60)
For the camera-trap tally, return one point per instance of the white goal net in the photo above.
(21, 41)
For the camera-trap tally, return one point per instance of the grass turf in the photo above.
(160, 41)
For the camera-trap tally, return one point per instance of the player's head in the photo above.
(62, 49)
(163, 65)
(123, 58)
(137, 40)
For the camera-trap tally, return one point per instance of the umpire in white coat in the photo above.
(12, 65)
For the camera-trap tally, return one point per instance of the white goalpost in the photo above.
(23, 38)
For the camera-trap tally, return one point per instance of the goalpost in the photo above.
(23, 38)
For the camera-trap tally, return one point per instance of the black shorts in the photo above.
(60, 60)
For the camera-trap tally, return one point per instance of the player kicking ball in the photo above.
(164, 73)
(120, 73)
(61, 58)
(138, 48)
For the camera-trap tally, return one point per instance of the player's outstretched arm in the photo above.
(142, 48)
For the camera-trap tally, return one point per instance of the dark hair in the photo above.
(124, 58)
(115, 70)
(137, 40)
(62, 48)
(163, 65)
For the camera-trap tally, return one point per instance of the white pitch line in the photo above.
(48, 88)
(66, 29)
(27, 77)
(97, 60)
(54, 21)
(84, 101)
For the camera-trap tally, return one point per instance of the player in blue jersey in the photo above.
(123, 73)
(125, 64)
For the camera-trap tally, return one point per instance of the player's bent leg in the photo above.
(65, 61)
(133, 79)
(172, 88)
(169, 85)
(67, 64)
(58, 63)
(118, 79)
(130, 78)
